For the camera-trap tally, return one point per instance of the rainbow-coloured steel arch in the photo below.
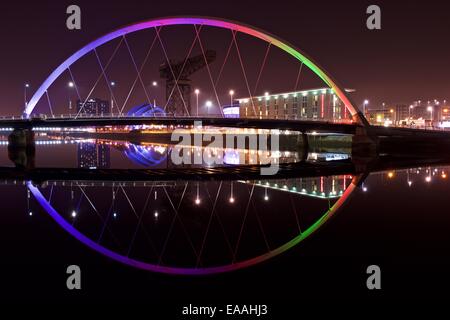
(214, 22)
(67, 226)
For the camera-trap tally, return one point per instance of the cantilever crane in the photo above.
(176, 71)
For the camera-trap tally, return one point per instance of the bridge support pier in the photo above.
(365, 148)
(301, 145)
(21, 148)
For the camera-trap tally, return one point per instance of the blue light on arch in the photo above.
(144, 156)
(144, 110)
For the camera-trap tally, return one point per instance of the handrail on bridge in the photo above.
(166, 116)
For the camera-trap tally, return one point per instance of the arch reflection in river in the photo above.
(195, 227)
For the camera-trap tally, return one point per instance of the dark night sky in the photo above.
(406, 60)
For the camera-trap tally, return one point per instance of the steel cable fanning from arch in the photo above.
(197, 270)
(198, 21)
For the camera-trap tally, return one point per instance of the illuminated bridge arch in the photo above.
(214, 22)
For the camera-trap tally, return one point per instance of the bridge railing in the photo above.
(160, 115)
(165, 115)
(171, 115)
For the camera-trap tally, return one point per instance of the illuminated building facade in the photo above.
(382, 116)
(320, 104)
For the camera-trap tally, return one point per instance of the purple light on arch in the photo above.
(214, 22)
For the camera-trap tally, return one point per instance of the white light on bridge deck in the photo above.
(231, 200)
(156, 214)
(71, 84)
(30, 213)
(74, 214)
(115, 215)
(154, 83)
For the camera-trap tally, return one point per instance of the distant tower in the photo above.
(175, 104)
(95, 106)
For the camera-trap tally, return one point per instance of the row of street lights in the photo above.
(411, 107)
(209, 103)
(113, 84)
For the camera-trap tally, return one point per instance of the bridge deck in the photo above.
(306, 126)
(282, 124)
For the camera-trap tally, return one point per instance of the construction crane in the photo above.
(179, 100)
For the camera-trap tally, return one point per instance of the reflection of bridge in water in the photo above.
(94, 204)
(231, 208)
(318, 187)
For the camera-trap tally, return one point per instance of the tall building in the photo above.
(92, 155)
(93, 106)
(321, 104)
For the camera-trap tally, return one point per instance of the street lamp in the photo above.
(113, 84)
(208, 105)
(430, 110)
(266, 196)
(26, 86)
(197, 92)
(197, 199)
(409, 112)
(231, 194)
(392, 116)
(70, 84)
(231, 97)
(154, 84)
(366, 102)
